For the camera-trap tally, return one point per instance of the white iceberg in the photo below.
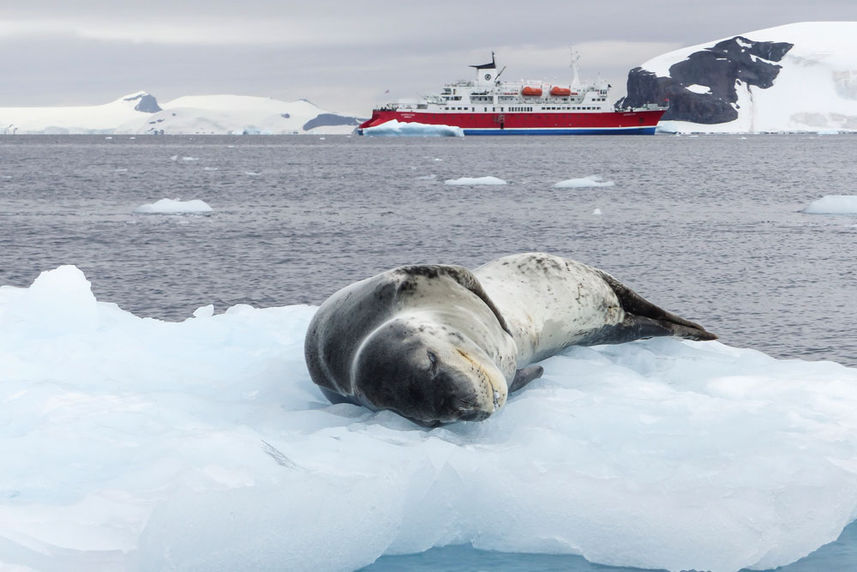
(833, 204)
(175, 206)
(469, 181)
(134, 443)
(582, 182)
(394, 128)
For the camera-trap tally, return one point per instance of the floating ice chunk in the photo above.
(590, 181)
(175, 206)
(833, 204)
(397, 128)
(134, 443)
(475, 181)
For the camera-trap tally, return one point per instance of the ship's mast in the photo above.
(575, 70)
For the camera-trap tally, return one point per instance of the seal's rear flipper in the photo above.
(647, 319)
(525, 376)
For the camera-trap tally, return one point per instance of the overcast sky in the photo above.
(344, 55)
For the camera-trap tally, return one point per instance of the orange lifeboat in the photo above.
(557, 91)
(531, 91)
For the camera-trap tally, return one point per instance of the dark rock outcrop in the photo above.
(330, 119)
(147, 103)
(722, 68)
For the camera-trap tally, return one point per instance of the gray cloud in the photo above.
(344, 56)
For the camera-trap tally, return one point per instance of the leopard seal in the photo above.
(441, 343)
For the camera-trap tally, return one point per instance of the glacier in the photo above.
(139, 444)
(140, 113)
(814, 91)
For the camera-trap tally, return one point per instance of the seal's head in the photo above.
(427, 373)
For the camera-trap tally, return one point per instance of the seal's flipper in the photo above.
(525, 376)
(336, 398)
(647, 319)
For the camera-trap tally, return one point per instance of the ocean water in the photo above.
(709, 227)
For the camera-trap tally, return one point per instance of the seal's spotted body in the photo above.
(440, 343)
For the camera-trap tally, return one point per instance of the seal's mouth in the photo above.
(497, 397)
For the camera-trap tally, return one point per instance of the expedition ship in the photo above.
(489, 106)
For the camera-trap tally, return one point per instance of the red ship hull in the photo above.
(530, 123)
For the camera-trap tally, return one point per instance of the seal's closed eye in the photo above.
(433, 361)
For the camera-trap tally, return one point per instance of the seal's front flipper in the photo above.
(335, 398)
(525, 376)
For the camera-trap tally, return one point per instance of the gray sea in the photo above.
(711, 227)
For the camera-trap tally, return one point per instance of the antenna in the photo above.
(575, 72)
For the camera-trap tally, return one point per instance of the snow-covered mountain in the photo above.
(795, 78)
(140, 113)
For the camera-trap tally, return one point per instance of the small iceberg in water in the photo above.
(396, 128)
(464, 181)
(175, 206)
(590, 181)
(833, 204)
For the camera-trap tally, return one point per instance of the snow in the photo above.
(589, 181)
(175, 206)
(815, 91)
(470, 181)
(214, 114)
(413, 129)
(696, 88)
(833, 204)
(133, 443)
